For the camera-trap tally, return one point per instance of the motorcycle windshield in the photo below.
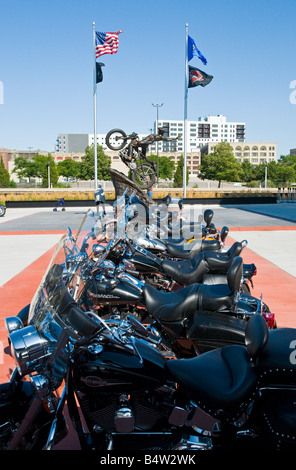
(66, 270)
(47, 301)
(64, 273)
(89, 232)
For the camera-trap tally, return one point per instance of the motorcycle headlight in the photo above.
(29, 349)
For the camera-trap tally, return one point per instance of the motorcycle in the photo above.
(133, 154)
(152, 237)
(175, 226)
(185, 318)
(166, 272)
(189, 313)
(134, 394)
(155, 259)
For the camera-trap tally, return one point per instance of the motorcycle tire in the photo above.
(2, 210)
(144, 176)
(118, 135)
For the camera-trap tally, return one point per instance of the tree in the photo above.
(221, 165)
(166, 167)
(26, 168)
(178, 176)
(288, 159)
(284, 175)
(4, 175)
(37, 167)
(248, 171)
(68, 168)
(87, 167)
(280, 172)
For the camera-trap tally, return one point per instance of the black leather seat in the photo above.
(174, 306)
(182, 249)
(170, 306)
(223, 380)
(192, 270)
(214, 297)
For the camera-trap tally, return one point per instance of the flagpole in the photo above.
(95, 107)
(185, 114)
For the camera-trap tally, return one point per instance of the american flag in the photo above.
(106, 43)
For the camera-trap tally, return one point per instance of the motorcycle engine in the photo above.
(121, 413)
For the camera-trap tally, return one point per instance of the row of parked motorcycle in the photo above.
(156, 340)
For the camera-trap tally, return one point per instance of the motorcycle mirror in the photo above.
(208, 216)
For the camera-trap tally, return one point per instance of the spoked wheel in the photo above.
(144, 176)
(116, 139)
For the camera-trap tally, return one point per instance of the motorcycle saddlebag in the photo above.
(211, 330)
(278, 415)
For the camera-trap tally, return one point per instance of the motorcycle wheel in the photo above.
(144, 176)
(2, 210)
(119, 136)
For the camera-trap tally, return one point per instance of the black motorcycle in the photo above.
(155, 259)
(194, 319)
(131, 391)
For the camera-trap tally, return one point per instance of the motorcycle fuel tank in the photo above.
(145, 262)
(104, 292)
(154, 244)
(114, 368)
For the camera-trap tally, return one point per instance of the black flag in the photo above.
(99, 72)
(198, 77)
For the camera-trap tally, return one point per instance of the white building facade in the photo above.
(199, 133)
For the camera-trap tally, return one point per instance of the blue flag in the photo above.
(193, 50)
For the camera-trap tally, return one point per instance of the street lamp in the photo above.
(265, 183)
(157, 106)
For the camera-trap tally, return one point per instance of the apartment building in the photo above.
(255, 152)
(198, 133)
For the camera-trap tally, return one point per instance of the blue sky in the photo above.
(46, 67)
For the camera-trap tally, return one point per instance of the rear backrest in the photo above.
(234, 274)
(256, 335)
(235, 250)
